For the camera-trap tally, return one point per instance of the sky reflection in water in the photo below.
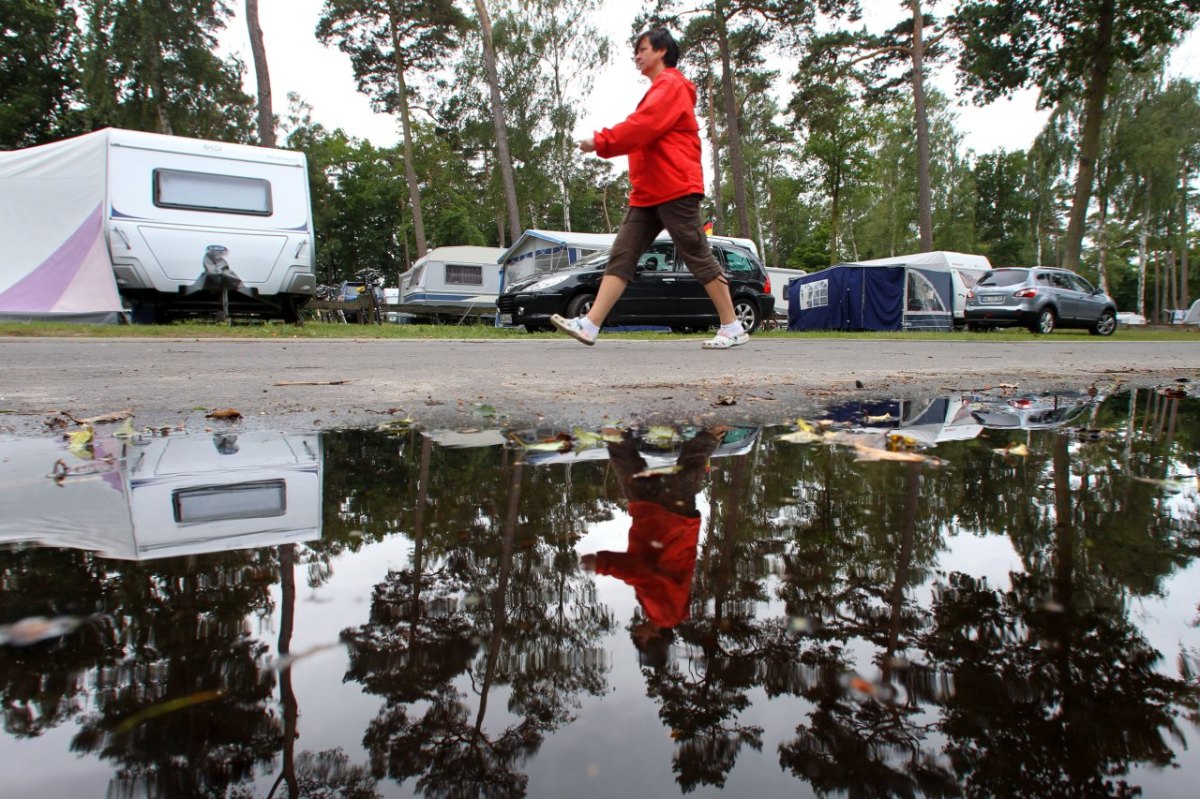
(398, 612)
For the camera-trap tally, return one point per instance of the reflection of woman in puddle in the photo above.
(661, 556)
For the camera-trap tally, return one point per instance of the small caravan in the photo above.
(452, 282)
(184, 224)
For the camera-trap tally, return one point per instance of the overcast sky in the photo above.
(322, 77)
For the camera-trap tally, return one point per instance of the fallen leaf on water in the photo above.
(226, 413)
(898, 441)
(801, 437)
(126, 430)
(885, 417)
(560, 443)
(286, 661)
(81, 438)
(1013, 449)
(866, 689)
(586, 438)
(661, 470)
(660, 434)
(1181, 484)
(104, 418)
(35, 629)
(163, 708)
(869, 453)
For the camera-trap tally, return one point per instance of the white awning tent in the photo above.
(538, 252)
(56, 265)
(1192, 317)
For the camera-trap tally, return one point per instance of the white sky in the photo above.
(322, 76)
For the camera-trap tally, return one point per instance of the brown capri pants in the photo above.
(679, 217)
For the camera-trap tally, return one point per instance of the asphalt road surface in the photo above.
(294, 384)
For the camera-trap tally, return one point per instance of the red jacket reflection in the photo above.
(659, 562)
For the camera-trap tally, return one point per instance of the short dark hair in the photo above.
(660, 39)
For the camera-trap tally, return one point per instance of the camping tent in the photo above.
(1192, 317)
(858, 297)
(56, 265)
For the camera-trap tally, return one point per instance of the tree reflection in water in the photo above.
(834, 630)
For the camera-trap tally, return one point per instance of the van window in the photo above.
(202, 191)
(464, 275)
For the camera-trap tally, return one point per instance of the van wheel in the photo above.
(746, 311)
(1044, 324)
(579, 305)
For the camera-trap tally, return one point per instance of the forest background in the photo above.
(826, 139)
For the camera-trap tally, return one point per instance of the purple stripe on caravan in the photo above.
(41, 288)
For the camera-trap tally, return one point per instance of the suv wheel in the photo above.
(1106, 325)
(1044, 324)
(746, 311)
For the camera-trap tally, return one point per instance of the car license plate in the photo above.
(991, 299)
(506, 319)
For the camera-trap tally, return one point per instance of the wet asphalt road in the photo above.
(300, 384)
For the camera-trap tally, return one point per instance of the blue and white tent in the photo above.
(872, 297)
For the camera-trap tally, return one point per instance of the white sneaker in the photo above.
(574, 329)
(724, 342)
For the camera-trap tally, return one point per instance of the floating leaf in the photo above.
(674, 468)
(586, 438)
(560, 443)
(869, 453)
(81, 438)
(126, 430)
(808, 436)
(898, 442)
(36, 629)
(882, 418)
(163, 708)
(108, 417)
(661, 435)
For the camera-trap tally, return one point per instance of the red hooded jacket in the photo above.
(662, 140)
(659, 562)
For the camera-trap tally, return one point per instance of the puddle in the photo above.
(986, 596)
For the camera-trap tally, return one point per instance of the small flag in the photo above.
(708, 227)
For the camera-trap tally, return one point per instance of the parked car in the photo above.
(1040, 298)
(663, 293)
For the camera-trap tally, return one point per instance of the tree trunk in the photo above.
(714, 137)
(1143, 240)
(1089, 147)
(410, 169)
(258, 49)
(1185, 291)
(502, 154)
(1102, 242)
(733, 129)
(924, 199)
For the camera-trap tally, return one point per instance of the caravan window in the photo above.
(201, 191)
(464, 275)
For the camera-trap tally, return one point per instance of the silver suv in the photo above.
(1040, 298)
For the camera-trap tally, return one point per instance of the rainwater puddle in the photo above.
(985, 596)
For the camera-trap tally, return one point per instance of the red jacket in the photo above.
(659, 562)
(662, 140)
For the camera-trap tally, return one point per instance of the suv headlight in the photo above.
(547, 283)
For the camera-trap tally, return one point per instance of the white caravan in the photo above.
(186, 223)
(452, 283)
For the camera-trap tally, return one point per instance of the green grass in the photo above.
(317, 330)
